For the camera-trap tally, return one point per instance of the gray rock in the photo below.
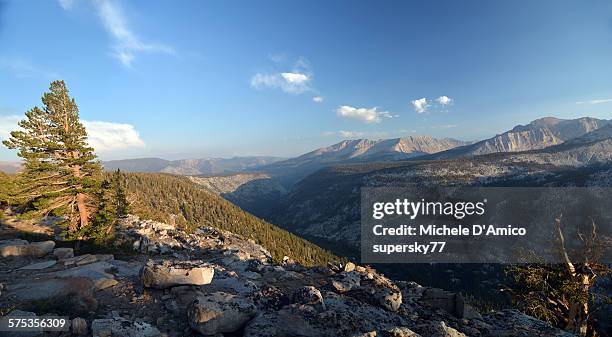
(75, 292)
(349, 267)
(39, 249)
(82, 260)
(514, 323)
(232, 285)
(172, 307)
(285, 322)
(344, 282)
(389, 299)
(94, 271)
(104, 283)
(12, 242)
(120, 327)
(450, 302)
(365, 334)
(63, 253)
(219, 312)
(39, 265)
(124, 269)
(16, 248)
(169, 274)
(382, 291)
(85, 259)
(309, 295)
(399, 332)
(440, 329)
(79, 326)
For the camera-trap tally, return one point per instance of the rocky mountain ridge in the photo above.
(364, 149)
(539, 134)
(290, 171)
(190, 166)
(214, 283)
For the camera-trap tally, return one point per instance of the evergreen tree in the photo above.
(6, 189)
(104, 219)
(119, 199)
(61, 173)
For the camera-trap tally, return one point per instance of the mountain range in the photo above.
(9, 166)
(539, 134)
(325, 205)
(204, 166)
(312, 195)
(290, 171)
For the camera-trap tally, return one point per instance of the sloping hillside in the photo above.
(176, 200)
(253, 192)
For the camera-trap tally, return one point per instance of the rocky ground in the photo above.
(163, 282)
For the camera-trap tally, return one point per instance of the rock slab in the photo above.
(16, 248)
(166, 274)
(219, 312)
(115, 327)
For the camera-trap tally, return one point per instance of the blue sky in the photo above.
(222, 78)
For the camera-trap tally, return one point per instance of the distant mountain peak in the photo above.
(369, 149)
(539, 134)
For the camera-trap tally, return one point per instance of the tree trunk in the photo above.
(583, 323)
(81, 203)
(83, 212)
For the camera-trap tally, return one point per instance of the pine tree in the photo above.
(119, 199)
(61, 173)
(6, 189)
(104, 219)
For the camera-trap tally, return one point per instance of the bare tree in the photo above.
(562, 293)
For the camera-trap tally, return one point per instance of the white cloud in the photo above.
(107, 136)
(291, 82)
(126, 43)
(8, 124)
(102, 136)
(420, 105)
(596, 101)
(367, 115)
(350, 134)
(317, 99)
(295, 78)
(296, 81)
(444, 100)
